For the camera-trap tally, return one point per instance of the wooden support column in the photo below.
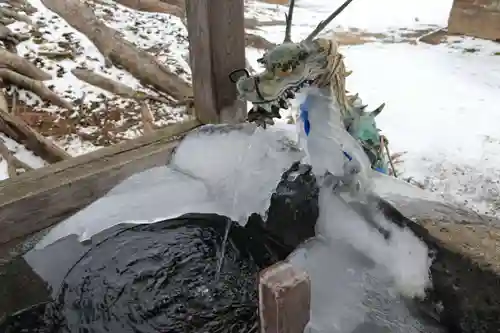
(217, 47)
(284, 299)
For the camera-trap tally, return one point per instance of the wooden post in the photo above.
(216, 47)
(284, 299)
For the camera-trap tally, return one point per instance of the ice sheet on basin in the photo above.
(232, 170)
(229, 170)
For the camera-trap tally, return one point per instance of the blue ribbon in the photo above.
(304, 114)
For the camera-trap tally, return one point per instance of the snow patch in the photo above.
(21, 153)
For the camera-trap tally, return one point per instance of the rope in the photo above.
(336, 73)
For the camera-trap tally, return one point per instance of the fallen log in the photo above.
(154, 6)
(118, 51)
(66, 54)
(113, 86)
(22, 66)
(6, 20)
(22, 6)
(17, 129)
(103, 82)
(36, 86)
(17, 16)
(9, 39)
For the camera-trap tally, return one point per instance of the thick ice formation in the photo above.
(357, 276)
(214, 170)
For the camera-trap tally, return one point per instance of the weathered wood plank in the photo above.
(284, 299)
(216, 47)
(43, 197)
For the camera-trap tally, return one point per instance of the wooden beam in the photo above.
(284, 299)
(41, 198)
(216, 47)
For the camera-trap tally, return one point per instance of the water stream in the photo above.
(241, 166)
(222, 253)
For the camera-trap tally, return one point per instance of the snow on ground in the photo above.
(442, 101)
(442, 109)
(381, 16)
(162, 35)
(21, 153)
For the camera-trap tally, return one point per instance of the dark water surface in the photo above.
(159, 277)
(152, 278)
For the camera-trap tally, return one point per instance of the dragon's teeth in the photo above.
(283, 104)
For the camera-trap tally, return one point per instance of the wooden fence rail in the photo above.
(38, 199)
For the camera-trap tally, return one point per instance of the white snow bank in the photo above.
(442, 110)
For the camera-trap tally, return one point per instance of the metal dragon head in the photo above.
(288, 67)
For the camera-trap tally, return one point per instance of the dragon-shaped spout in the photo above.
(342, 141)
(316, 68)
